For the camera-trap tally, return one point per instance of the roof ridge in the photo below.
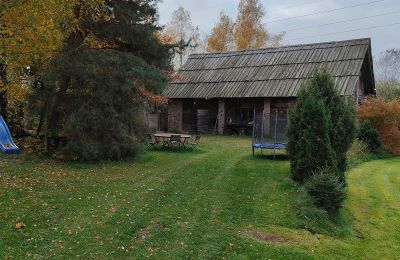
(279, 47)
(257, 80)
(271, 65)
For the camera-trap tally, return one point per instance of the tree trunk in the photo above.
(54, 112)
(42, 115)
(3, 93)
(3, 104)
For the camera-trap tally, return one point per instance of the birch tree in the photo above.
(221, 38)
(250, 32)
(184, 34)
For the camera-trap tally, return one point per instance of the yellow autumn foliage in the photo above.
(247, 32)
(221, 38)
(32, 32)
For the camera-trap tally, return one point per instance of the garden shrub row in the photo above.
(384, 116)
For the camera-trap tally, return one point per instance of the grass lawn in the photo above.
(212, 203)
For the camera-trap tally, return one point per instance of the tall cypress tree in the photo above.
(340, 127)
(340, 114)
(313, 150)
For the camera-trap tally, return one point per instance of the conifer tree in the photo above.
(90, 98)
(370, 136)
(312, 149)
(340, 126)
(341, 117)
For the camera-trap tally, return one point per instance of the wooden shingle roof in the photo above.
(270, 72)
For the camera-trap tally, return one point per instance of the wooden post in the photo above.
(254, 128)
(267, 117)
(175, 115)
(221, 116)
(276, 123)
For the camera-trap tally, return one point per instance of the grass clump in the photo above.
(358, 153)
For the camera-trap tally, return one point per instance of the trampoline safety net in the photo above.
(268, 128)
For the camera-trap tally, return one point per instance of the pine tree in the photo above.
(91, 97)
(104, 117)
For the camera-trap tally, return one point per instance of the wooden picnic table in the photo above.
(172, 140)
(167, 136)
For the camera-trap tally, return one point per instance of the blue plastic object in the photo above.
(276, 146)
(269, 146)
(7, 145)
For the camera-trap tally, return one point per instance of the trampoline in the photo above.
(259, 141)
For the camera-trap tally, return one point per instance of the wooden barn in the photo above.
(222, 92)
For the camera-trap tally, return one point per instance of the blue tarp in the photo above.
(7, 144)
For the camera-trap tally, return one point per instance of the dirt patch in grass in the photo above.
(145, 233)
(265, 236)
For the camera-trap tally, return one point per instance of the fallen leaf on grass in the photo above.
(20, 225)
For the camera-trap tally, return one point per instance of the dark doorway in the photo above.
(202, 120)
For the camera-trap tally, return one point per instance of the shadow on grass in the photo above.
(176, 150)
(146, 155)
(269, 156)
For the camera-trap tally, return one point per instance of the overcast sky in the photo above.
(285, 15)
